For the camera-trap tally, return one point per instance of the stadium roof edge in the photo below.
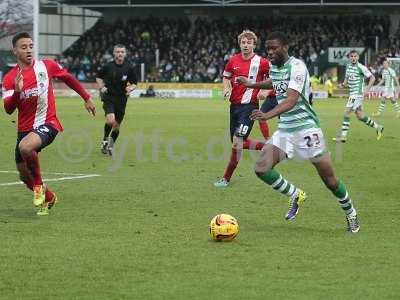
(209, 3)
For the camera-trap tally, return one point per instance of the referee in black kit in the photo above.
(115, 81)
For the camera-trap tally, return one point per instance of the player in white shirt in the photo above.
(389, 77)
(355, 74)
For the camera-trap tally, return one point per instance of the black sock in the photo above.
(115, 134)
(107, 130)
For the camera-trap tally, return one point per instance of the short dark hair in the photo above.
(354, 51)
(20, 35)
(119, 46)
(278, 35)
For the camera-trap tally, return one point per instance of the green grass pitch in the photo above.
(140, 230)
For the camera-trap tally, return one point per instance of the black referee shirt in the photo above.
(116, 77)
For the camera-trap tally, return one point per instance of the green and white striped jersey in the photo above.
(355, 74)
(294, 75)
(389, 75)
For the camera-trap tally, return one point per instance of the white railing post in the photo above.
(142, 72)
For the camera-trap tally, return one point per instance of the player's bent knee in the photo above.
(235, 146)
(260, 168)
(25, 149)
(110, 119)
(237, 143)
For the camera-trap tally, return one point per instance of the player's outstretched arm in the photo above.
(266, 84)
(397, 81)
(227, 88)
(90, 107)
(370, 83)
(74, 84)
(131, 82)
(344, 84)
(286, 105)
(381, 81)
(59, 72)
(396, 90)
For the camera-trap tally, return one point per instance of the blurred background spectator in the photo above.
(197, 50)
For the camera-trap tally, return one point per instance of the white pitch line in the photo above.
(50, 173)
(53, 179)
(70, 174)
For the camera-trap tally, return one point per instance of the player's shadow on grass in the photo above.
(17, 215)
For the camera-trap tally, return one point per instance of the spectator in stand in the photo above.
(149, 92)
(196, 51)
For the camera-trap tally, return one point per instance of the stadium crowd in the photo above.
(392, 50)
(197, 51)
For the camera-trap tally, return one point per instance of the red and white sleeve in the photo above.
(228, 71)
(57, 71)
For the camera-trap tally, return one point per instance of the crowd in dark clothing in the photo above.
(197, 51)
(390, 50)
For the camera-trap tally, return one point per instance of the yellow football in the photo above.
(224, 227)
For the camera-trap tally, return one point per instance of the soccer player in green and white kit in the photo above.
(389, 78)
(354, 78)
(299, 133)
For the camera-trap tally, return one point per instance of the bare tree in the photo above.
(15, 16)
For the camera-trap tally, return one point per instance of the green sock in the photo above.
(278, 183)
(343, 198)
(396, 106)
(345, 126)
(369, 122)
(381, 107)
